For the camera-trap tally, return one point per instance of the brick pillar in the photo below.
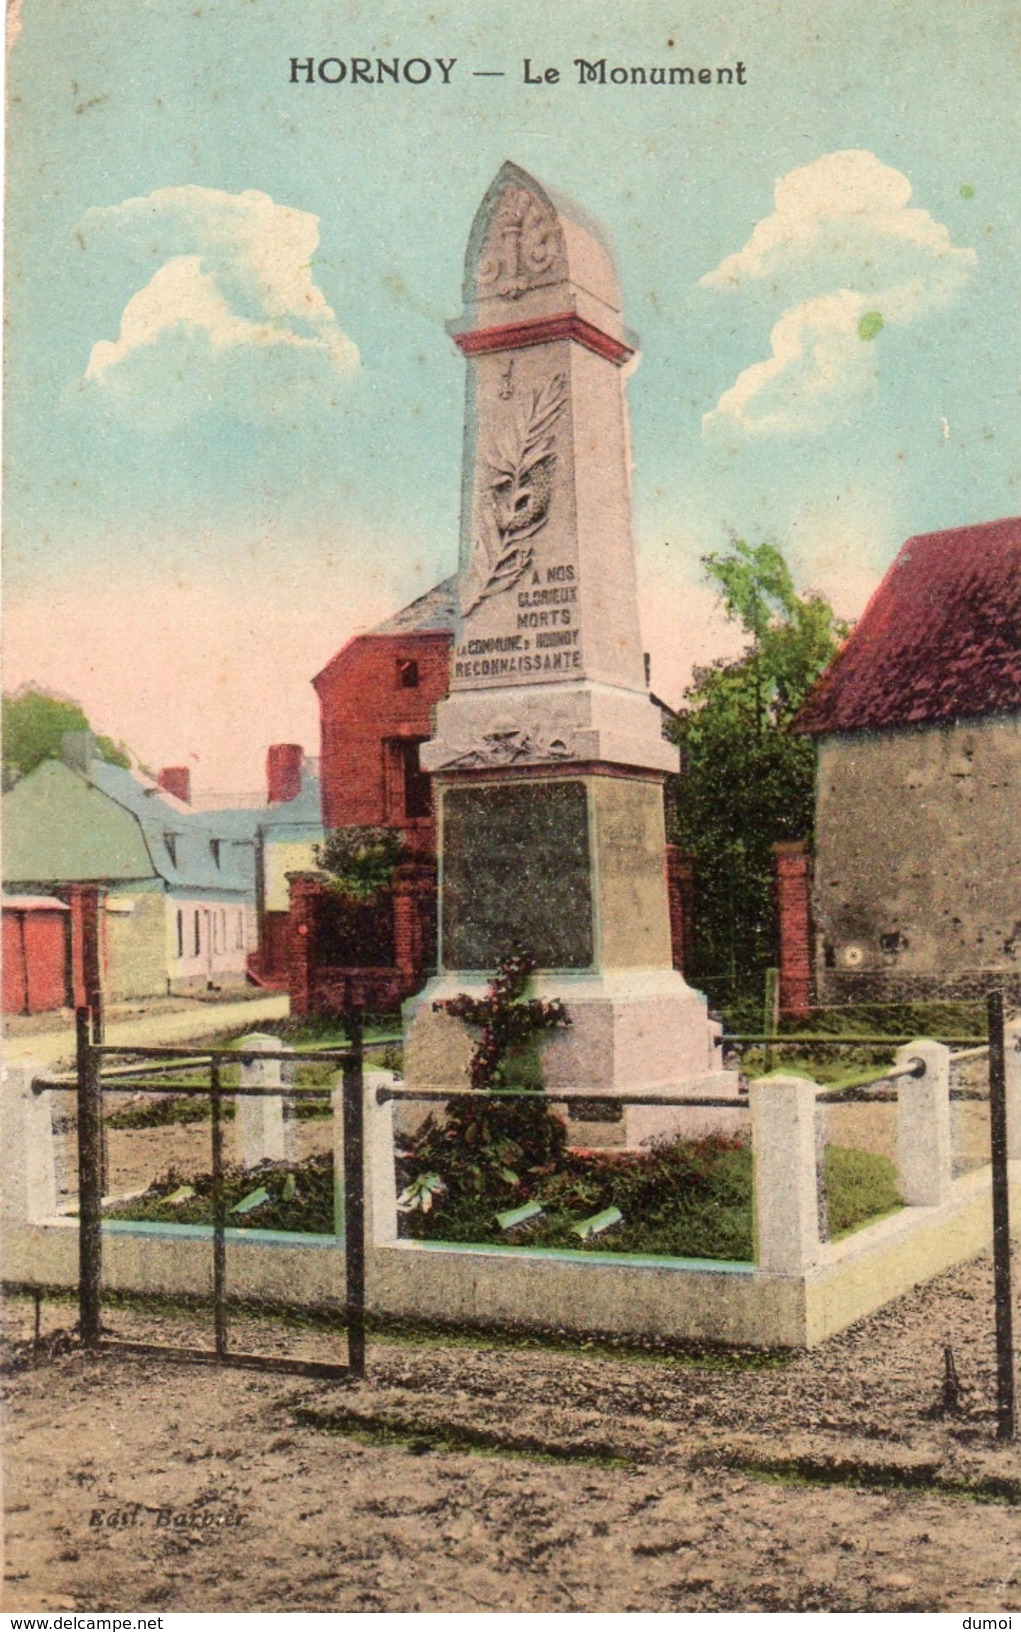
(793, 878)
(414, 895)
(306, 890)
(176, 779)
(86, 942)
(283, 772)
(680, 880)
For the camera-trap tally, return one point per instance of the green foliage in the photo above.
(301, 1198)
(34, 723)
(484, 1142)
(510, 1024)
(682, 1199)
(748, 780)
(869, 325)
(164, 1111)
(360, 860)
(685, 1198)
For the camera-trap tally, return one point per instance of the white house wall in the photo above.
(208, 939)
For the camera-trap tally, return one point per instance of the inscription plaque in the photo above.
(517, 876)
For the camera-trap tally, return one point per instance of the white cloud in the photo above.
(231, 318)
(842, 246)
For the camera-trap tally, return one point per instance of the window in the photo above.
(239, 931)
(407, 673)
(198, 933)
(214, 845)
(418, 793)
(180, 934)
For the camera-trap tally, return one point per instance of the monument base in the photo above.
(643, 1030)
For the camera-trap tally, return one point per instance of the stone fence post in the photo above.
(28, 1192)
(1013, 1060)
(924, 1152)
(265, 1122)
(380, 1174)
(786, 1178)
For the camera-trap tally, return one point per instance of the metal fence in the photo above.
(153, 1071)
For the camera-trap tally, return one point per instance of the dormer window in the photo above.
(407, 673)
(214, 848)
(170, 840)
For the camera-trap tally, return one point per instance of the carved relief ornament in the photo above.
(523, 248)
(514, 504)
(512, 745)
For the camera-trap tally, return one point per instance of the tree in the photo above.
(34, 722)
(360, 860)
(748, 780)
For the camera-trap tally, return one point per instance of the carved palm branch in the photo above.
(514, 460)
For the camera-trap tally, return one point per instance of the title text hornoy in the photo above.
(371, 70)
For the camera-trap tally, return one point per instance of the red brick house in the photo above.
(917, 874)
(376, 698)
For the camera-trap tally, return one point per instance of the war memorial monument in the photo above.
(548, 757)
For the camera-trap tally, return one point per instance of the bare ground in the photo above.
(603, 1483)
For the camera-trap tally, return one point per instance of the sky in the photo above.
(233, 414)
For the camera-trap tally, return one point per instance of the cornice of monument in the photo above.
(539, 331)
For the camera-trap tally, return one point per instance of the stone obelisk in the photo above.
(548, 756)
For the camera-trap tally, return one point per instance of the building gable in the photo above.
(60, 828)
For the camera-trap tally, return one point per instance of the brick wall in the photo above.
(318, 985)
(793, 874)
(368, 707)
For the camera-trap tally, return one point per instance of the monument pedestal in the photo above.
(570, 867)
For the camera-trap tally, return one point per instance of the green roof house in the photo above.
(178, 885)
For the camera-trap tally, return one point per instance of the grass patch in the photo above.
(855, 1063)
(802, 1471)
(860, 1189)
(164, 1110)
(683, 1199)
(300, 1198)
(420, 1436)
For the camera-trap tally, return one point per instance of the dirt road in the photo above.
(177, 1022)
(477, 1477)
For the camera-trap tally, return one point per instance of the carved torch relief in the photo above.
(517, 485)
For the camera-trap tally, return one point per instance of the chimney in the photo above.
(78, 750)
(283, 772)
(176, 779)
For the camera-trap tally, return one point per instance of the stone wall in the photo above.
(135, 935)
(917, 890)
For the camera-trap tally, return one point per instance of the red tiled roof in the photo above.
(940, 639)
